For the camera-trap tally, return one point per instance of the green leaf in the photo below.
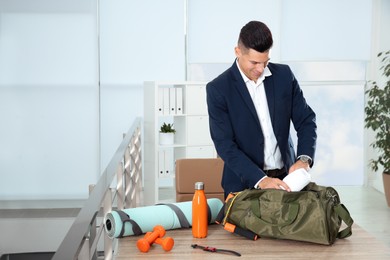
(377, 114)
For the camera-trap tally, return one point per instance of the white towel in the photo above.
(298, 179)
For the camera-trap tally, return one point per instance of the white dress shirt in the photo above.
(272, 155)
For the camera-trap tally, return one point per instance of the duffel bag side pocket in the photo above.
(268, 218)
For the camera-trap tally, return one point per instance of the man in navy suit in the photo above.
(250, 108)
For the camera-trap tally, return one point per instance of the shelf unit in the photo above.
(184, 105)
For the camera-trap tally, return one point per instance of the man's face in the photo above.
(251, 62)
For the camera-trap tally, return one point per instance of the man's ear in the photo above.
(237, 51)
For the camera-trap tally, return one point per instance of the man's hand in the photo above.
(273, 183)
(298, 165)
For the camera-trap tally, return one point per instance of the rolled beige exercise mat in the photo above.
(136, 221)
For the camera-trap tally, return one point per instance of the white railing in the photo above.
(82, 239)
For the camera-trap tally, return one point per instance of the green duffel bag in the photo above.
(314, 214)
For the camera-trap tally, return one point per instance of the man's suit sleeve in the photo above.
(304, 121)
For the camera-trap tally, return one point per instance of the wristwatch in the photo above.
(305, 159)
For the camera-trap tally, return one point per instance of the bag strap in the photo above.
(179, 214)
(134, 225)
(233, 198)
(221, 215)
(343, 213)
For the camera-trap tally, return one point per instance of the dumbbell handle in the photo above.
(152, 236)
(166, 242)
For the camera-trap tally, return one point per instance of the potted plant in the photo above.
(377, 118)
(167, 134)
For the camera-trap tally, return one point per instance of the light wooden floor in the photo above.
(369, 210)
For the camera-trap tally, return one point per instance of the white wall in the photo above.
(140, 40)
(331, 30)
(49, 132)
(213, 35)
(60, 127)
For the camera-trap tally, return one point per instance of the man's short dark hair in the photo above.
(256, 35)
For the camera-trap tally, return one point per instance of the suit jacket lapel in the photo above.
(242, 89)
(270, 93)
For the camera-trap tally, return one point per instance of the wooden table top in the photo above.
(361, 245)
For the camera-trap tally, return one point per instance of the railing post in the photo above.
(108, 243)
(127, 174)
(92, 237)
(84, 251)
(119, 186)
(92, 234)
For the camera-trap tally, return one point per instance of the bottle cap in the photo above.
(199, 185)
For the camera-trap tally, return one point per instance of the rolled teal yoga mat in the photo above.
(150, 216)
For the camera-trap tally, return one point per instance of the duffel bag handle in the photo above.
(343, 213)
(292, 213)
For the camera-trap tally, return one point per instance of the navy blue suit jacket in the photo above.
(235, 127)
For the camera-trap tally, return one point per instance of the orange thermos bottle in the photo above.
(199, 212)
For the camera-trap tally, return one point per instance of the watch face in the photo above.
(304, 159)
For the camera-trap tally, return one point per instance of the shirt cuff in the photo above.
(257, 184)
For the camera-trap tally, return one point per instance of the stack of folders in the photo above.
(170, 101)
(165, 162)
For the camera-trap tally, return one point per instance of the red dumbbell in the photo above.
(143, 244)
